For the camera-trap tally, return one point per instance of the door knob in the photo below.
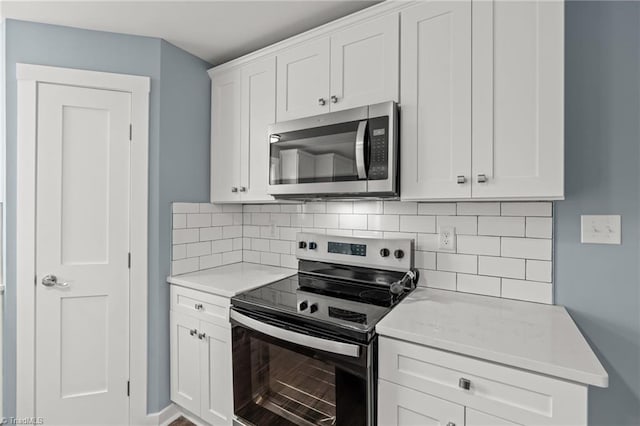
(334, 99)
(482, 178)
(321, 101)
(52, 280)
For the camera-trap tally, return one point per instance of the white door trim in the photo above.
(28, 77)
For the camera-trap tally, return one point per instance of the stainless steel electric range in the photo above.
(305, 347)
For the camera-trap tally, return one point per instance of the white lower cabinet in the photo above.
(201, 369)
(420, 385)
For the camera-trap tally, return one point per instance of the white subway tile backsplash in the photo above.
(527, 290)
(400, 207)
(501, 267)
(384, 222)
(478, 209)
(465, 225)
(527, 209)
(501, 226)
(438, 279)
(353, 221)
(526, 248)
(503, 249)
(437, 209)
(418, 224)
(457, 263)
(179, 220)
(478, 284)
(539, 227)
(539, 270)
(181, 236)
(471, 244)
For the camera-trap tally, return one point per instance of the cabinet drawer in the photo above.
(510, 393)
(204, 306)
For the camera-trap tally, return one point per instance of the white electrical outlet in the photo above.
(447, 238)
(600, 229)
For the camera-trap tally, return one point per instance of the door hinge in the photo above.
(129, 260)
(130, 132)
(128, 388)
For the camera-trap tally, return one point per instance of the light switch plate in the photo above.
(600, 229)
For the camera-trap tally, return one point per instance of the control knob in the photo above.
(384, 252)
(398, 254)
(312, 246)
(302, 244)
(303, 305)
(313, 308)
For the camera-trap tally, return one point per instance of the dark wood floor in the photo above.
(181, 421)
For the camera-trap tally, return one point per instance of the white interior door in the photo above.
(82, 235)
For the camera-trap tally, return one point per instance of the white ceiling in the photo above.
(215, 31)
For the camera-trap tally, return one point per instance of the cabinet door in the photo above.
(303, 80)
(216, 376)
(258, 111)
(478, 418)
(518, 98)
(225, 137)
(365, 63)
(400, 406)
(185, 362)
(436, 100)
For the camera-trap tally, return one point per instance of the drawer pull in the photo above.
(198, 306)
(201, 336)
(451, 424)
(464, 383)
(193, 332)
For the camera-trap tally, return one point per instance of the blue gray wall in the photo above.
(178, 157)
(600, 285)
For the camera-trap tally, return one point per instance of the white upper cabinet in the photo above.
(258, 110)
(364, 63)
(303, 80)
(518, 99)
(436, 100)
(225, 136)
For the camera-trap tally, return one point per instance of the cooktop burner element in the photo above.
(343, 286)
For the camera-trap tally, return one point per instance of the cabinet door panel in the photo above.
(216, 377)
(303, 78)
(436, 100)
(518, 98)
(365, 63)
(185, 362)
(400, 406)
(258, 111)
(225, 136)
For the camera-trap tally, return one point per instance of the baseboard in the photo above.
(165, 416)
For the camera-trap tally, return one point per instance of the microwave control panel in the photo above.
(379, 148)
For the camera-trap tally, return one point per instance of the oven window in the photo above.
(322, 154)
(278, 385)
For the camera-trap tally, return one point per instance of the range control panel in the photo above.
(379, 253)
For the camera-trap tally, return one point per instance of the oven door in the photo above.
(283, 376)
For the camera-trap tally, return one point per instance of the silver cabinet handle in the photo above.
(193, 332)
(482, 178)
(360, 135)
(334, 99)
(198, 306)
(52, 281)
(464, 383)
(234, 189)
(461, 179)
(202, 336)
(243, 189)
(321, 102)
(296, 338)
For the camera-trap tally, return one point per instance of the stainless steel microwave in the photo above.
(345, 154)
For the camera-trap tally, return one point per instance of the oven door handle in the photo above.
(360, 141)
(297, 338)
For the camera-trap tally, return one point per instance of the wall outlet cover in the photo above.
(600, 229)
(447, 238)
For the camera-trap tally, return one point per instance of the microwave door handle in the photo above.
(339, 348)
(360, 141)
